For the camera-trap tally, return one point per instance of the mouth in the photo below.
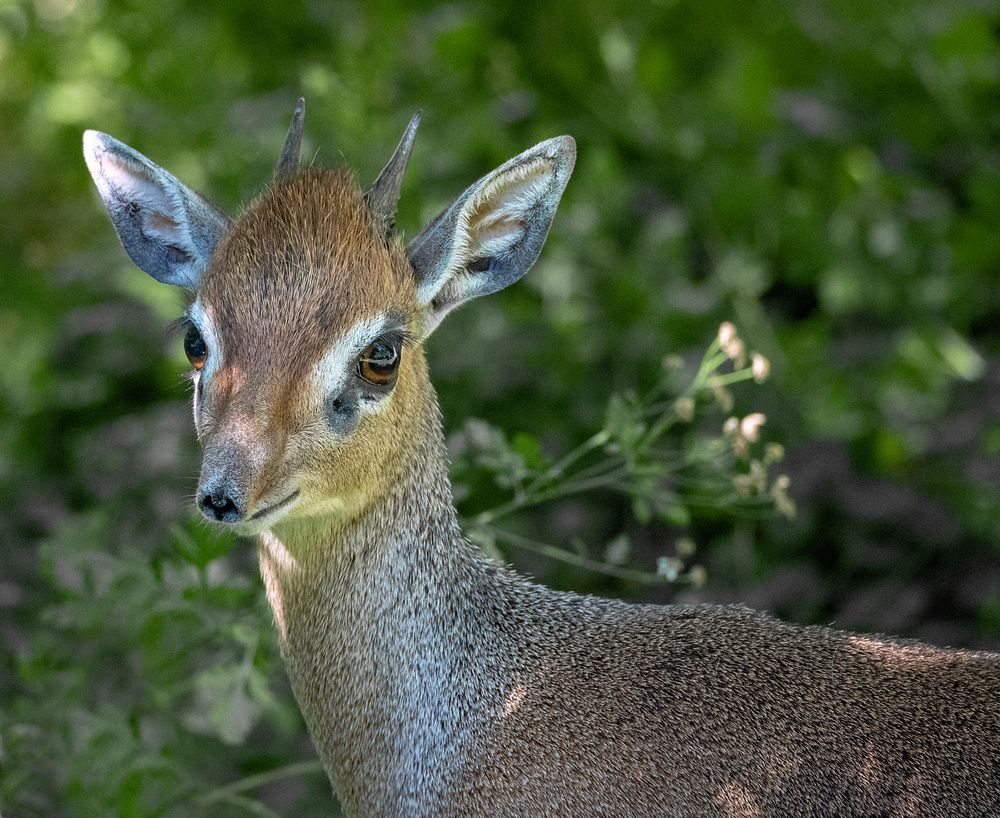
(279, 506)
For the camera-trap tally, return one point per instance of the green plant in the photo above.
(654, 449)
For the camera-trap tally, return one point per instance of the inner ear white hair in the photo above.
(167, 229)
(492, 234)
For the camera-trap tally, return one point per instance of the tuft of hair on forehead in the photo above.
(301, 265)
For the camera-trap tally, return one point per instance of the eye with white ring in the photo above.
(195, 348)
(379, 363)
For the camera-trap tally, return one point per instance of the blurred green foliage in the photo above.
(825, 174)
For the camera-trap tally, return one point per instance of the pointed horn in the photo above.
(383, 195)
(288, 162)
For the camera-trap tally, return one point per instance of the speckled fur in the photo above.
(437, 683)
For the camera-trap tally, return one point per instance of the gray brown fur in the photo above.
(437, 683)
(408, 651)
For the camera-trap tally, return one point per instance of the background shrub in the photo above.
(823, 175)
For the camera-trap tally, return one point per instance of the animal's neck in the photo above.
(379, 630)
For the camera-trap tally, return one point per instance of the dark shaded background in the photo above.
(824, 174)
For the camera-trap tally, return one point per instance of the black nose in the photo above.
(219, 505)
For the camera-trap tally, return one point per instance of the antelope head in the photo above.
(306, 313)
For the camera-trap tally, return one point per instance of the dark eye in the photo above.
(379, 362)
(194, 348)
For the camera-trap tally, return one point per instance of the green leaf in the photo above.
(223, 706)
(624, 421)
(530, 450)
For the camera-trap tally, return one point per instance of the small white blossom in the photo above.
(773, 453)
(760, 366)
(685, 547)
(736, 352)
(697, 575)
(727, 332)
(721, 394)
(779, 493)
(750, 426)
(669, 568)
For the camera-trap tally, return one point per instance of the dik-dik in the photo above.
(434, 681)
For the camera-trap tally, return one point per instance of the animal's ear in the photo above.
(168, 230)
(493, 232)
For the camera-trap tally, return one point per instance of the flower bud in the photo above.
(727, 332)
(750, 426)
(760, 366)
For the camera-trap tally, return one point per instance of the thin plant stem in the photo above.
(732, 377)
(570, 487)
(251, 782)
(578, 560)
(558, 468)
(610, 478)
(250, 805)
(600, 467)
